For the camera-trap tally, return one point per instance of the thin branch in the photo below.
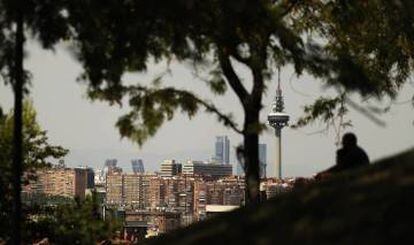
(208, 106)
(226, 119)
(239, 58)
(365, 112)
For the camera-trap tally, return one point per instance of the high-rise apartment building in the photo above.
(90, 178)
(131, 189)
(155, 195)
(65, 182)
(114, 189)
(137, 166)
(228, 191)
(110, 167)
(203, 169)
(170, 168)
(222, 150)
(135, 190)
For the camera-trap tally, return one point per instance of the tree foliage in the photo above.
(44, 21)
(77, 222)
(37, 153)
(374, 41)
(375, 35)
(213, 35)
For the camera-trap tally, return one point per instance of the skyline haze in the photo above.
(87, 129)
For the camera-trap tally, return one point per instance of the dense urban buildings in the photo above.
(59, 181)
(153, 203)
(185, 194)
(222, 150)
(110, 166)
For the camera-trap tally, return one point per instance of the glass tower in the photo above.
(222, 150)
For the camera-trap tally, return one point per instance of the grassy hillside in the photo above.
(369, 206)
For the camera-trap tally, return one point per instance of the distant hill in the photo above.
(374, 205)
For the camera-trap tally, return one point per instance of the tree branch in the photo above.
(232, 77)
(225, 118)
(239, 58)
(183, 93)
(258, 86)
(258, 67)
(365, 112)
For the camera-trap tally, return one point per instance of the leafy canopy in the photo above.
(375, 41)
(37, 153)
(119, 37)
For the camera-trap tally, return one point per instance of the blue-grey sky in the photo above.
(87, 128)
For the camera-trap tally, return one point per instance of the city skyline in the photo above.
(71, 115)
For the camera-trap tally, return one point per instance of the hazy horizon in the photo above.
(87, 129)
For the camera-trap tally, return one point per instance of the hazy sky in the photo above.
(87, 128)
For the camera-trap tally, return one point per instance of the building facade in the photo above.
(63, 182)
(170, 168)
(129, 189)
(206, 169)
(137, 166)
(222, 150)
(263, 160)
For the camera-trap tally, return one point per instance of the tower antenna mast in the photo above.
(278, 119)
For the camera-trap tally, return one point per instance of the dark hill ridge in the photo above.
(374, 205)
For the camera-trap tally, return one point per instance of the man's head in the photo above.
(349, 140)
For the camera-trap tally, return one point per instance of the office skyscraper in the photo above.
(137, 166)
(239, 169)
(262, 160)
(222, 148)
(110, 163)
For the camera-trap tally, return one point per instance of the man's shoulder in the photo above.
(340, 151)
(359, 149)
(363, 155)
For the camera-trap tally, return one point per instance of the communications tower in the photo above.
(278, 119)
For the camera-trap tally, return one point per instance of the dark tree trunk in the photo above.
(251, 104)
(18, 84)
(251, 157)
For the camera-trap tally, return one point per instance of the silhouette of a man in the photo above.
(350, 156)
